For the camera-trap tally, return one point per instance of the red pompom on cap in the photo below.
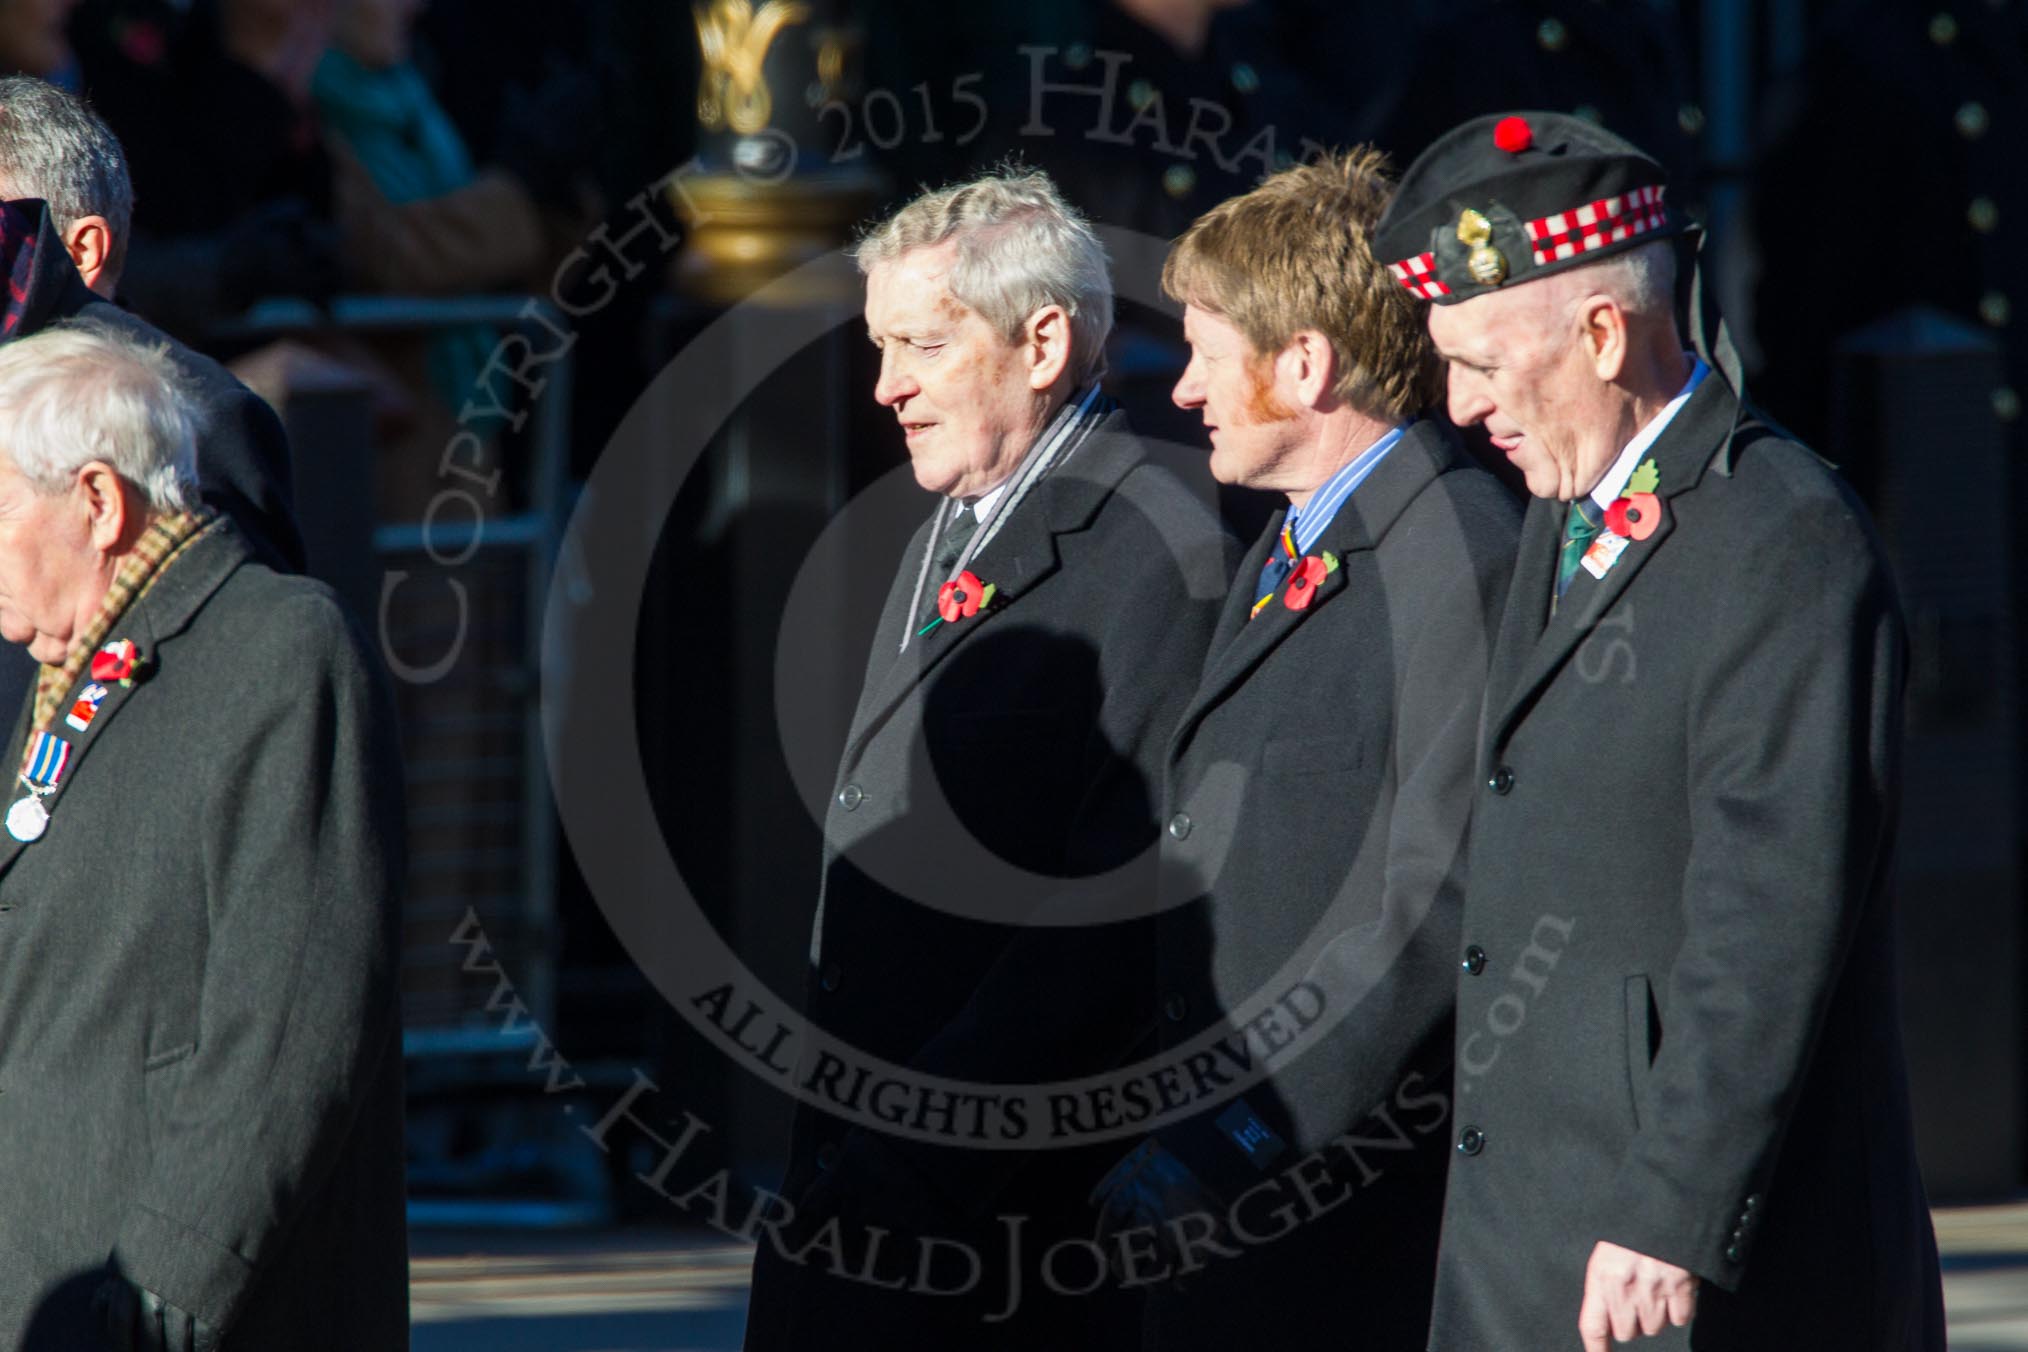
(1513, 135)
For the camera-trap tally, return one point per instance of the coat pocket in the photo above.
(1343, 753)
(1642, 1027)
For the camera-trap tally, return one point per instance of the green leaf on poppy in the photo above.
(1645, 479)
(986, 596)
(1330, 562)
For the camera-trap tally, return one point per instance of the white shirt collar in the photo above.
(1608, 489)
(982, 506)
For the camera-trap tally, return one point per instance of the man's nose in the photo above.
(1467, 401)
(895, 383)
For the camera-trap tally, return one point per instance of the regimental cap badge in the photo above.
(1487, 264)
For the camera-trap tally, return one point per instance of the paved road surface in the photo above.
(661, 1291)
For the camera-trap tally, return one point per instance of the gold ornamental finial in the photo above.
(733, 38)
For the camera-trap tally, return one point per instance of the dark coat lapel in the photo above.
(1365, 518)
(1020, 555)
(1530, 650)
(161, 614)
(1233, 620)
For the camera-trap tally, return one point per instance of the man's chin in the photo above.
(1229, 469)
(933, 478)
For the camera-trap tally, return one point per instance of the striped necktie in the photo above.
(1580, 528)
(1275, 571)
(958, 533)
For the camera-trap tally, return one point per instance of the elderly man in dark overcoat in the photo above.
(1043, 629)
(1683, 1112)
(1318, 785)
(200, 1086)
(66, 218)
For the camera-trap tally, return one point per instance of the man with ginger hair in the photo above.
(1683, 1114)
(1317, 787)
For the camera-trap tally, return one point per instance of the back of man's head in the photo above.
(54, 147)
(1295, 254)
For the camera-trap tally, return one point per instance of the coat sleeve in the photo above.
(1793, 730)
(298, 1014)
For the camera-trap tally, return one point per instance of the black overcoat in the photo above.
(201, 1075)
(1030, 735)
(1318, 787)
(1676, 1020)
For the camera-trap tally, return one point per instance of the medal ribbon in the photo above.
(48, 754)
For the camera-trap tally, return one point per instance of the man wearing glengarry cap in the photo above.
(1682, 1111)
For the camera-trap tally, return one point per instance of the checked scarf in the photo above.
(159, 546)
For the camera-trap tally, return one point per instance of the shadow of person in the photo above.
(951, 945)
(64, 1319)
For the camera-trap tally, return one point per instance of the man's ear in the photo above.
(110, 505)
(1602, 326)
(1045, 342)
(90, 242)
(1313, 364)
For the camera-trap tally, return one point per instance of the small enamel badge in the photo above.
(86, 707)
(1605, 551)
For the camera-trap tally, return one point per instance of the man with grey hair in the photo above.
(54, 147)
(199, 888)
(1044, 627)
(1683, 1110)
(65, 213)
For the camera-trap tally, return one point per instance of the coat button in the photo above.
(1475, 960)
(827, 1156)
(1734, 1254)
(1175, 1007)
(1502, 781)
(1471, 1141)
(827, 977)
(1753, 1202)
(1179, 826)
(850, 797)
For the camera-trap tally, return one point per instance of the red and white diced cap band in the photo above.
(1415, 274)
(1606, 221)
(1562, 235)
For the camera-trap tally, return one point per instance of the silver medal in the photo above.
(27, 819)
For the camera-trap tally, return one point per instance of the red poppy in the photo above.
(116, 662)
(1636, 515)
(1303, 580)
(142, 42)
(959, 598)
